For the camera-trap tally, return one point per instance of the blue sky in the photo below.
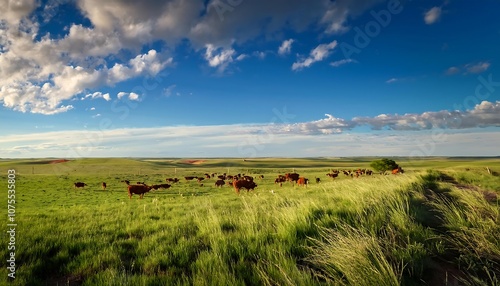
(243, 78)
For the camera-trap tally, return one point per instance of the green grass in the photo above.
(437, 227)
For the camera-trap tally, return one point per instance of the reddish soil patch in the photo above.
(193, 162)
(58, 161)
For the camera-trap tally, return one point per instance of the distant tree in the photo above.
(383, 165)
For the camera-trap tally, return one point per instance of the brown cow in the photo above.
(333, 175)
(292, 177)
(199, 179)
(243, 184)
(398, 170)
(302, 181)
(279, 180)
(104, 185)
(160, 186)
(79, 185)
(219, 183)
(172, 180)
(138, 190)
(190, 178)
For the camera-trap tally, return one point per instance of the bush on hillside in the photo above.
(383, 165)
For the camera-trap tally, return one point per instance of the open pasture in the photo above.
(436, 224)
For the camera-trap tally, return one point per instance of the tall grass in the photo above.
(344, 231)
(349, 256)
(473, 231)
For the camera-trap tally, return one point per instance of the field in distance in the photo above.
(436, 224)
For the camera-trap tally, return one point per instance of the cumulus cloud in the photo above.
(319, 53)
(485, 114)
(40, 73)
(245, 141)
(97, 94)
(13, 11)
(432, 16)
(130, 96)
(219, 58)
(285, 47)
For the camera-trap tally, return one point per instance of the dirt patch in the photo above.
(193, 162)
(58, 161)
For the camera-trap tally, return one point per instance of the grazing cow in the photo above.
(221, 177)
(398, 170)
(172, 180)
(104, 185)
(138, 190)
(219, 183)
(79, 185)
(280, 180)
(199, 179)
(318, 180)
(333, 175)
(248, 178)
(261, 176)
(243, 184)
(302, 181)
(190, 178)
(292, 177)
(160, 186)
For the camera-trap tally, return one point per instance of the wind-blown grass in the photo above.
(387, 230)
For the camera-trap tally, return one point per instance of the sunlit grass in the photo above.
(386, 230)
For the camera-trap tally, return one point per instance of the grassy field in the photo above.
(436, 224)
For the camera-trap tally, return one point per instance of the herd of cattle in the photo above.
(238, 182)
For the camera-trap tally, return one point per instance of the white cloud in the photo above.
(432, 16)
(392, 80)
(133, 96)
(13, 11)
(237, 141)
(485, 114)
(452, 71)
(317, 54)
(285, 47)
(470, 68)
(241, 57)
(121, 94)
(169, 90)
(130, 96)
(92, 108)
(477, 67)
(342, 62)
(40, 73)
(97, 94)
(219, 58)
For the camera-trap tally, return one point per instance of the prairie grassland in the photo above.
(436, 227)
